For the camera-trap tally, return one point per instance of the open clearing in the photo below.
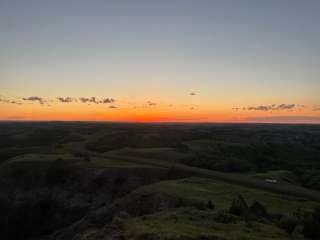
(201, 190)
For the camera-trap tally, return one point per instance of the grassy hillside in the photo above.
(201, 190)
(94, 181)
(188, 223)
(280, 175)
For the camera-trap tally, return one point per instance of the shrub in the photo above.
(239, 207)
(311, 224)
(288, 224)
(224, 217)
(210, 205)
(258, 210)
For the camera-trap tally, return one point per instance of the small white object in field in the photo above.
(269, 180)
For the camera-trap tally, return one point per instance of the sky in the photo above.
(160, 61)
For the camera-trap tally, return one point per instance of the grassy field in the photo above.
(169, 154)
(44, 157)
(200, 190)
(280, 175)
(94, 161)
(110, 162)
(189, 223)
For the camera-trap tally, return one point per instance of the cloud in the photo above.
(151, 103)
(316, 108)
(89, 100)
(285, 106)
(84, 100)
(112, 106)
(107, 100)
(65, 99)
(272, 107)
(261, 108)
(16, 102)
(285, 119)
(192, 94)
(10, 101)
(34, 99)
(301, 106)
(96, 100)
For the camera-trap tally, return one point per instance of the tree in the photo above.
(87, 158)
(239, 207)
(311, 224)
(210, 205)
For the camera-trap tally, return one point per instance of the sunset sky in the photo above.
(160, 61)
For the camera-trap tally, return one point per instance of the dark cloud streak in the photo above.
(151, 103)
(96, 100)
(65, 99)
(10, 101)
(107, 100)
(272, 107)
(34, 99)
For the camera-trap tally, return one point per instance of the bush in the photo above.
(311, 224)
(210, 205)
(288, 224)
(258, 210)
(239, 207)
(224, 217)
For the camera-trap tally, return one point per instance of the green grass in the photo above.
(187, 223)
(280, 175)
(43, 157)
(162, 153)
(200, 190)
(109, 162)
(95, 161)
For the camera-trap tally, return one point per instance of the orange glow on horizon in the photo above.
(142, 113)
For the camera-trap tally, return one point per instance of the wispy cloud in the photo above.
(301, 106)
(107, 100)
(88, 100)
(271, 107)
(112, 106)
(151, 103)
(192, 94)
(285, 106)
(316, 108)
(10, 101)
(95, 100)
(34, 99)
(65, 99)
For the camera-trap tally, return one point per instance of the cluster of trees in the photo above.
(143, 138)
(302, 161)
(305, 223)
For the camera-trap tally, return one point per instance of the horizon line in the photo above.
(157, 122)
